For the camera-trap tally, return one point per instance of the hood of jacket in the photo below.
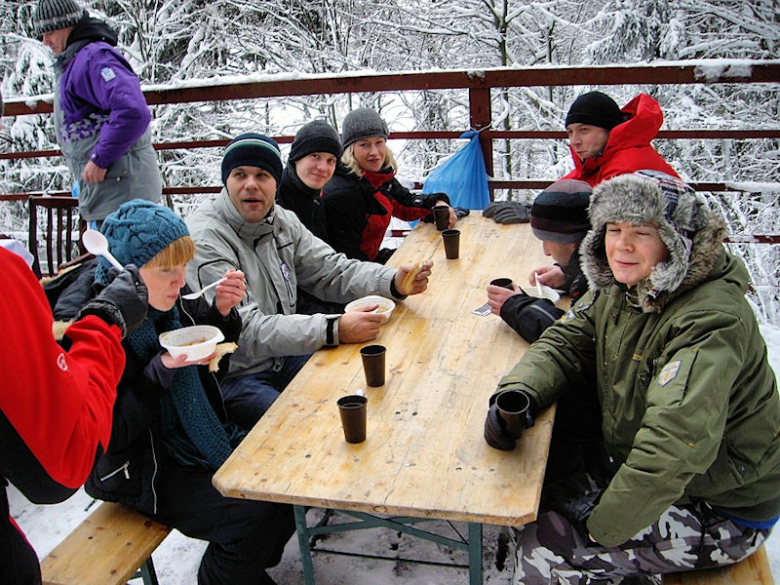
(692, 234)
(644, 120)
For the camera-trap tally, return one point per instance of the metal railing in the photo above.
(479, 85)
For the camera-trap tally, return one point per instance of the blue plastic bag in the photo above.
(462, 176)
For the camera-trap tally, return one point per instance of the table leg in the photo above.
(475, 553)
(303, 543)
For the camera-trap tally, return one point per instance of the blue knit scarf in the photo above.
(191, 430)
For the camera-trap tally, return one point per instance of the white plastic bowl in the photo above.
(547, 293)
(196, 342)
(386, 306)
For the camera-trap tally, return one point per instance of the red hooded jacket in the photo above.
(55, 406)
(628, 148)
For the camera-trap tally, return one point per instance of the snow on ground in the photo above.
(177, 559)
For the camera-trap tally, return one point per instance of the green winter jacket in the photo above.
(690, 404)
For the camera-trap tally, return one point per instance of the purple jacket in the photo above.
(100, 94)
(101, 116)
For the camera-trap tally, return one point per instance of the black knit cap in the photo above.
(560, 212)
(362, 123)
(51, 15)
(252, 150)
(316, 136)
(595, 109)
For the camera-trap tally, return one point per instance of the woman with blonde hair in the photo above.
(364, 194)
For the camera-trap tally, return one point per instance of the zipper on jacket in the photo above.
(154, 472)
(125, 468)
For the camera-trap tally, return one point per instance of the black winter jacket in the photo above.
(128, 470)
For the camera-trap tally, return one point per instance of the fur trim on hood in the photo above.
(690, 231)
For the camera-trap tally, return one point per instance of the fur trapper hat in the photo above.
(691, 233)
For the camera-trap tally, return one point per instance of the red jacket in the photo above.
(55, 406)
(628, 148)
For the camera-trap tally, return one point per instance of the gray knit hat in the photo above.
(51, 15)
(316, 136)
(362, 123)
(655, 198)
(560, 212)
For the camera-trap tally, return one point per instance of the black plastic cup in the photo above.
(513, 406)
(441, 214)
(352, 410)
(451, 243)
(503, 283)
(374, 364)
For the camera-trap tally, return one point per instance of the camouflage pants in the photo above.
(551, 551)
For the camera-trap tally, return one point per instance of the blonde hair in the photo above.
(348, 158)
(179, 251)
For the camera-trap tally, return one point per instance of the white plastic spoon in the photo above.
(538, 286)
(96, 244)
(197, 293)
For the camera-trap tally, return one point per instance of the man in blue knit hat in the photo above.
(243, 229)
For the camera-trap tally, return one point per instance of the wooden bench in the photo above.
(754, 570)
(111, 546)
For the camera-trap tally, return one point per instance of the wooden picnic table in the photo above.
(424, 456)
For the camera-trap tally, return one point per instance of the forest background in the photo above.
(172, 43)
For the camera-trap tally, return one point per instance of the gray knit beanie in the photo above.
(362, 123)
(51, 15)
(316, 136)
(646, 197)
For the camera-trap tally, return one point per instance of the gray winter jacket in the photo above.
(277, 255)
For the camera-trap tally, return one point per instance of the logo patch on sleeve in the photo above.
(669, 373)
(107, 74)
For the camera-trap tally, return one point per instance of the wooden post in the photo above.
(479, 105)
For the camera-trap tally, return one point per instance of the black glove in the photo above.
(493, 208)
(578, 510)
(496, 434)
(513, 213)
(123, 302)
(507, 212)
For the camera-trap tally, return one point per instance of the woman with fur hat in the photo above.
(170, 433)
(364, 193)
(689, 403)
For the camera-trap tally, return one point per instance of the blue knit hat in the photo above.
(138, 231)
(252, 150)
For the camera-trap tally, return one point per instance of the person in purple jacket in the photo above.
(100, 113)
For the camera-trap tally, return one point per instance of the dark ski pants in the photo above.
(245, 537)
(18, 561)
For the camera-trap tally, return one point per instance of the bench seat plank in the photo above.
(108, 547)
(754, 570)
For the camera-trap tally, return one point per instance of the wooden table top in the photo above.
(424, 455)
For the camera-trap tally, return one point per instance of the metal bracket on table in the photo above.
(307, 540)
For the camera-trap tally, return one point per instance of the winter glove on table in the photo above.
(123, 302)
(507, 212)
(496, 434)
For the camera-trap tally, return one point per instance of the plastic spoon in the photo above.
(97, 244)
(538, 285)
(196, 294)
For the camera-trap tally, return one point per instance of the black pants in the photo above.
(18, 561)
(577, 442)
(245, 536)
